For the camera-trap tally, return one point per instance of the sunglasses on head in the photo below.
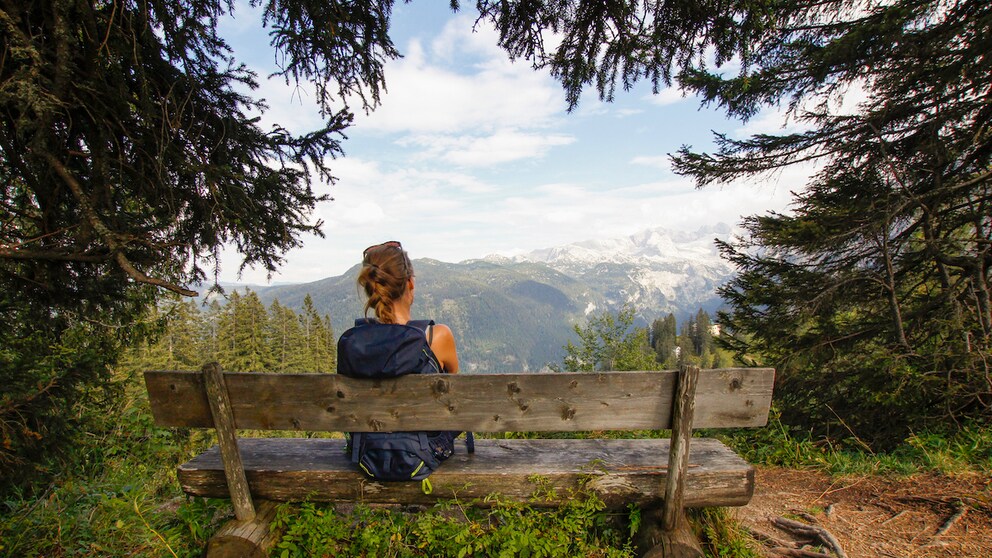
(391, 244)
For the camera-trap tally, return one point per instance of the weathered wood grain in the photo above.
(733, 397)
(679, 542)
(227, 437)
(678, 457)
(245, 539)
(620, 471)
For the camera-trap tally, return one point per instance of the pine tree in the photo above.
(664, 334)
(252, 351)
(702, 337)
(285, 339)
(321, 347)
(872, 298)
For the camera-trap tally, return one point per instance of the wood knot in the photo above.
(567, 413)
(523, 408)
(375, 425)
(736, 384)
(441, 386)
(573, 384)
(496, 418)
(296, 423)
(512, 389)
(331, 409)
(172, 387)
(451, 408)
(340, 394)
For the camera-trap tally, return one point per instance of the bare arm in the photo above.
(444, 349)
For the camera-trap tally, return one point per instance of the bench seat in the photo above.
(620, 472)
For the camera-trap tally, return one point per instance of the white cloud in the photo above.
(662, 162)
(426, 95)
(667, 96)
(624, 113)
(502, 146)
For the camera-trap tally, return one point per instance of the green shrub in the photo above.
(722, 536)
(580, 527)
(966, 449)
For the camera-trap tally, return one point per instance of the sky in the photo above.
(471, 154)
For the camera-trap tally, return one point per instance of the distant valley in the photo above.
(516, 314)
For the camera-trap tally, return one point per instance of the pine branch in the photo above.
(106, 234)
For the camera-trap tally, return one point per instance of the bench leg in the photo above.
(653, 541)
(245, 539)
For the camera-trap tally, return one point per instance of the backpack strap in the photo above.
(427, 326)
(356, 444)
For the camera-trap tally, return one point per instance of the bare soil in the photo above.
(920, 516)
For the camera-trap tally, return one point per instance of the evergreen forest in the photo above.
(240, 335)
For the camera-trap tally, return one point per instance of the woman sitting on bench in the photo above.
(388, 280)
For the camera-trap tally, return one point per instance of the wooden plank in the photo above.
(620, 471)
(678, 457)
(227, 437)
(680, 542)
(245, 539)
(736, 397)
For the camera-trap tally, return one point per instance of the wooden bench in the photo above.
(661, 475)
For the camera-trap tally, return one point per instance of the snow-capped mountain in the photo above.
(656, 246)
(656, 270)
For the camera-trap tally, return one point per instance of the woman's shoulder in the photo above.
(441, 329)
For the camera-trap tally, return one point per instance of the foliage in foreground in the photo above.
(120, 498)
(578, 528)
(962, 450)
(54, 371)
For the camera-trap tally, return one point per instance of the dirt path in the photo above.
(920, 516)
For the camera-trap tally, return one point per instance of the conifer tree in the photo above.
(702, 337)
(321, 347)
(872, 296)
(285, 339)
(251, 350)
(664, 333)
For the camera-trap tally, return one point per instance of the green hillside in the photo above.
(506, 317)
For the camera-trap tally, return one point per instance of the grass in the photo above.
(119, 496)
(966, 450)
(579, 528)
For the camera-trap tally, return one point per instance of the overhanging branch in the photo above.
(107, 235)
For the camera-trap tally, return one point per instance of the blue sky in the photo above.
(471, 154)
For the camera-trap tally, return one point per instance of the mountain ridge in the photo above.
(516, 313)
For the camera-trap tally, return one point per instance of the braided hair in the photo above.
(385, 271)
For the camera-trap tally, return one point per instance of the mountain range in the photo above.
(517, 313)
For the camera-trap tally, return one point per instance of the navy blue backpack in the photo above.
(374, 350)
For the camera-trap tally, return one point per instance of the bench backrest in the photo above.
(568, 402)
